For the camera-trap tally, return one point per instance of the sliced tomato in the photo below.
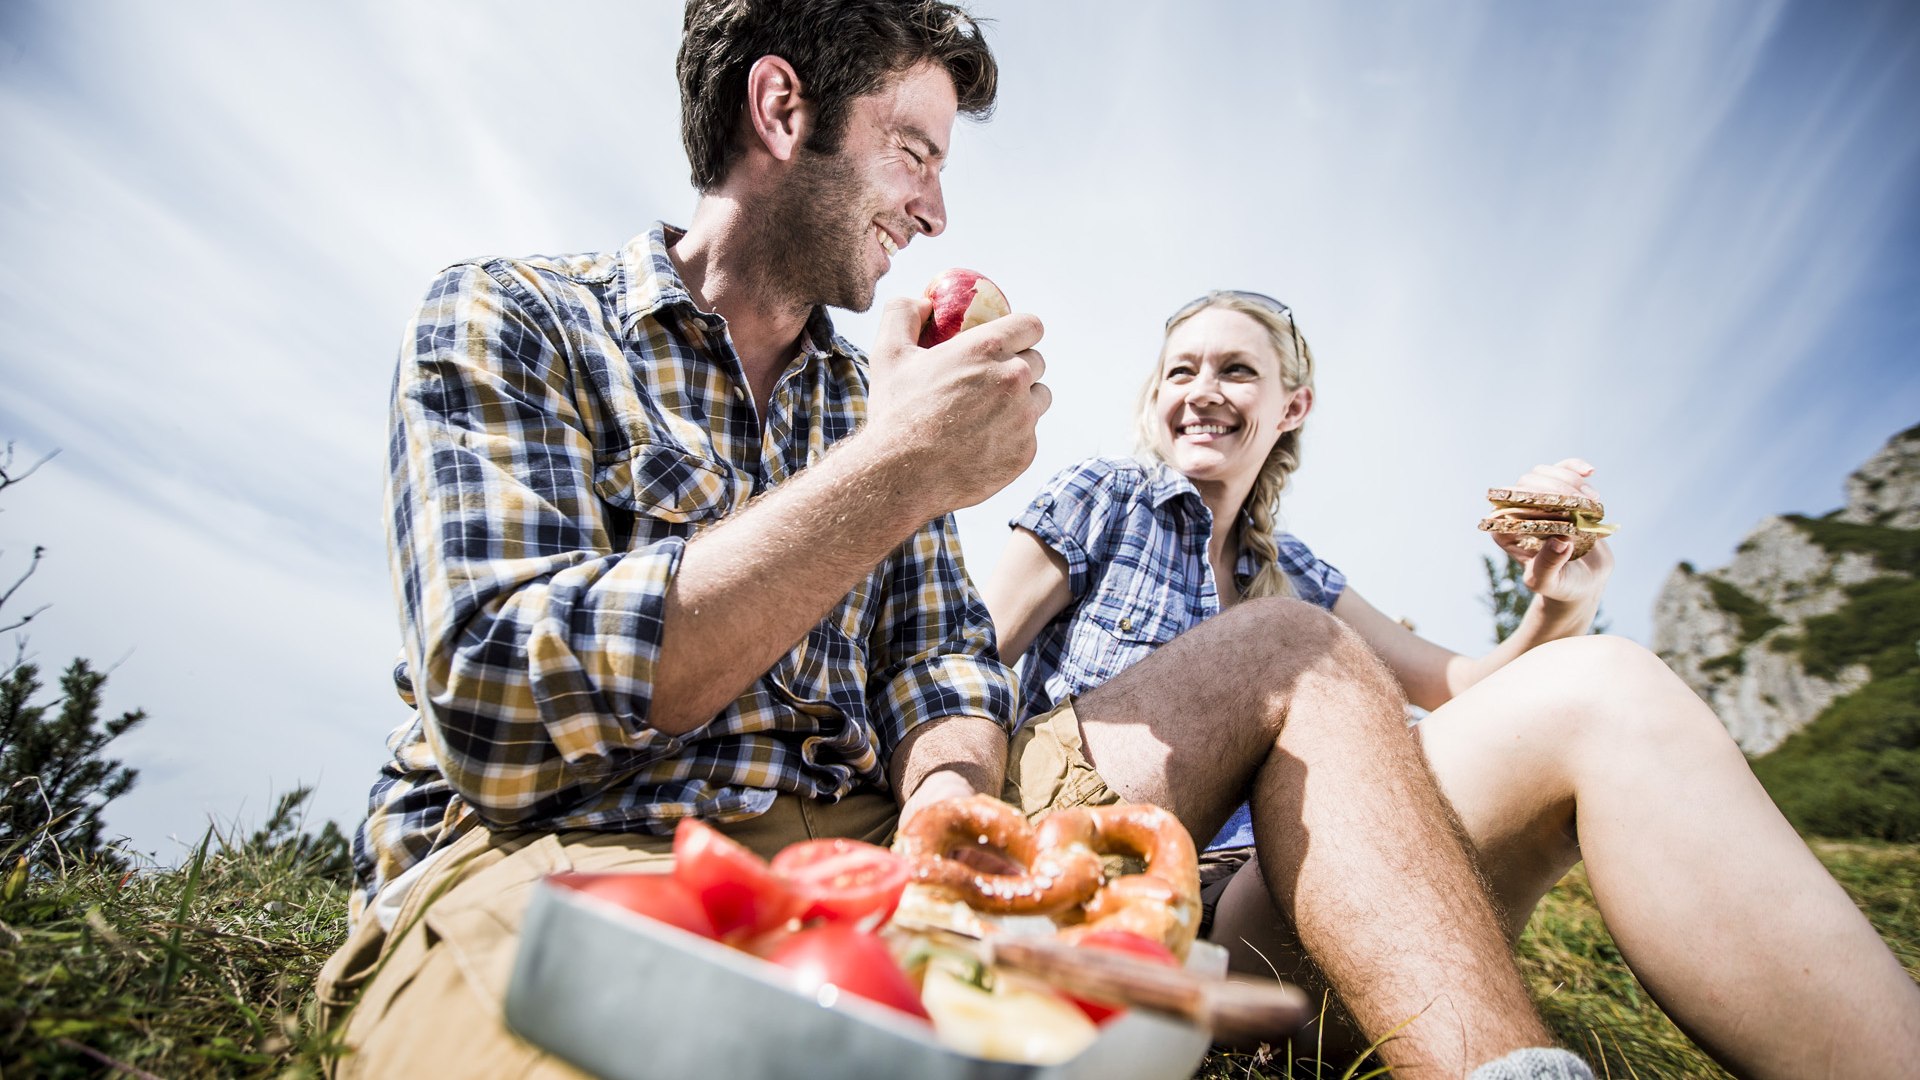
(657, 896)
(844, 880)
(1127, 942)
(740, 892)
(857, 962)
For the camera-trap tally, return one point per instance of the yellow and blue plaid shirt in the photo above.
(561, 427)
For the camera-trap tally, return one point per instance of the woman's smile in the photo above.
(1221, 397)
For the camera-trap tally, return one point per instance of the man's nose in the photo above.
(929, 209)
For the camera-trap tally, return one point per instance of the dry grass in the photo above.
(1595, 1005)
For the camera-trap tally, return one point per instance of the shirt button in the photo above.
(1126, 623)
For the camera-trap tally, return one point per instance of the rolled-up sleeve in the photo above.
(1069, 513)
(933, 646)
(530, 637)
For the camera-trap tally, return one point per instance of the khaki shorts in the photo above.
(1046, 769)
(429, 998)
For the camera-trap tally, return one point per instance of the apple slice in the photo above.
(962, 299)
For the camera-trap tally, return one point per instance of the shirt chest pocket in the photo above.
(1124, 626)
(663, 491)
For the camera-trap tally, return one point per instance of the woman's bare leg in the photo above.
(1592, 747)
(1261, 942)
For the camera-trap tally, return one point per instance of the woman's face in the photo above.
(1222, 403)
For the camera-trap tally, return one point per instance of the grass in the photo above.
(198, 972)
(1594, 1005)
(209, 973)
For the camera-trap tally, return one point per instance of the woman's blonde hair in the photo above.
(1256, 523)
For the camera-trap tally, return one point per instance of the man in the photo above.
(665, 545)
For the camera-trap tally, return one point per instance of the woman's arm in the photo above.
(1027, 589)
(1566, 597)
(1430, 674)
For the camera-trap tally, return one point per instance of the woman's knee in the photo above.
(1617, 690)
(1604, 665)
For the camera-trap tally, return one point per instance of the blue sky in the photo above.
(1681, 240)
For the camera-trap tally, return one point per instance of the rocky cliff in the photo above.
(1808, 611)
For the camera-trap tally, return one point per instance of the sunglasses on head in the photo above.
(1257, 299)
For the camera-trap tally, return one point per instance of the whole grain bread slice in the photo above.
(1543, 500)
(1531, 533)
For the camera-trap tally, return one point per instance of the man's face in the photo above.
(840, 218)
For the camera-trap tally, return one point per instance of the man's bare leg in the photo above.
(1716, 903)
(1279, 698)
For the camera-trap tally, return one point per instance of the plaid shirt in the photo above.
(1134, 537)
(561, 427)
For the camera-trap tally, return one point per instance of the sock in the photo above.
(1535, 1063)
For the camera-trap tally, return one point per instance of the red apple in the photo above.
(962, 300)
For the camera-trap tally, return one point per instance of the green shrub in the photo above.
(1755, 617)
(1734, 662)
(1895, 550)
(1880, 626)
(1854, 771)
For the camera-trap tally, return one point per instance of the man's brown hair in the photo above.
(840, 49)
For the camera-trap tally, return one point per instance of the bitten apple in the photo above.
(962, 300)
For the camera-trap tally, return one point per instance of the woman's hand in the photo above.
(1552, 574)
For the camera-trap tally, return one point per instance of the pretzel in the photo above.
(1062, 873)
(1052, 878)
(1162, 902)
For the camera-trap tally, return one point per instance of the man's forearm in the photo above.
(750, 588)
(953, 756)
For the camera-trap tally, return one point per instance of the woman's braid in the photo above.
(1256, 521)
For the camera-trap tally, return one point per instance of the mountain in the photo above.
(1792, 624)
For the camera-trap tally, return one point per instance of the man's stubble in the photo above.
(813, 234)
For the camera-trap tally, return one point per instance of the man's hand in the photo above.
(948, 758)
(935, 788)
(1553, 574)
(962, 412)
(944, 785)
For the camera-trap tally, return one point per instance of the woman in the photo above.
(1587, 747)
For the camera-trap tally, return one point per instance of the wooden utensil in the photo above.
(1238, 1010)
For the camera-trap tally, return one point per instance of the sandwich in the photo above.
(1531, 517)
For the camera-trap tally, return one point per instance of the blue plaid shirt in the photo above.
(561, 427)
(1134, 537)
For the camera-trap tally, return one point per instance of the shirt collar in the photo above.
(652, 285)
(1167, 484)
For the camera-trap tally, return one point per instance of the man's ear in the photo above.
(779, 116)
(1297, 409)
